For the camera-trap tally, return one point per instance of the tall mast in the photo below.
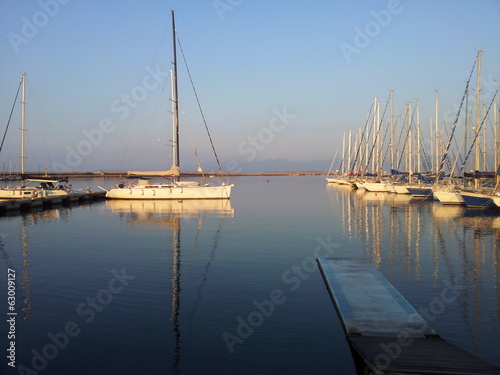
(174, 133)
(419, 157)
(23, 103)
(391, 125)
(496, 124)
(436, 124)
(175, 98)
(478, 114)
(348, 153)
(485, 163)
(379, 143)
(374, 136)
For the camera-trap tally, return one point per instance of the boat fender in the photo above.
(142, 191)
(154, 193)
(34, 194)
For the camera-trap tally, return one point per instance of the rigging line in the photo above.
(361, 143)
(206, 271)
(342, 165)
(387, 149)
(455, 164)
(149, 124)
(36, 108)
(192, 141)
(378, 132)
(10, 116)
(364, 155)
(120, 142)
(199, 105)
(333, 160)
(405, 139)
(478, 132)
(441, 165)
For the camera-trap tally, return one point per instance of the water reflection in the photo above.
(172, 215)
(34, 217)
(420, 244)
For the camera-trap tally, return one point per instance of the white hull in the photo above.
(340, 181)
(496, 200)
(401, 189)
(449, 197)
(19, 193)
(376, 187)
(390, 188)
(171, 192)
(30, 193)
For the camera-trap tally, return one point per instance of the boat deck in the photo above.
(385, 331)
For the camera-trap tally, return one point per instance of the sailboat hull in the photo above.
(171, 192)
(478, 200)
(377, 187)
(16, 193)
(449, 197)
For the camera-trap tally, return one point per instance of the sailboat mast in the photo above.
(478, 115)
(174, 133)
(391, 126)
(23, 102)
(175, 98)
(436, 138)
(419, 145)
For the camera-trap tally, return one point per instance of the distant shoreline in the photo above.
(121, 174)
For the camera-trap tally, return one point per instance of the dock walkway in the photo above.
(385, 331)
(12, 206)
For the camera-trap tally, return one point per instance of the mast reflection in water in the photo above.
(419, 245)
(169, 214)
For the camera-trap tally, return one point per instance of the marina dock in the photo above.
(384, 331)
(9, 206)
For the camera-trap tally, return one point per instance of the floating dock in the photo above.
(9, 206)
(385, 331)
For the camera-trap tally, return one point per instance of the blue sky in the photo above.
(276, 79)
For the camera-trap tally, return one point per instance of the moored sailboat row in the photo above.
(443, 180)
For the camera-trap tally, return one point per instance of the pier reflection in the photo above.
(420, 244)
(173, 215)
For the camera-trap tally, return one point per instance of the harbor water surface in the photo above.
(232, 287)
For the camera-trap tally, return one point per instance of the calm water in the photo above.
(122, 287)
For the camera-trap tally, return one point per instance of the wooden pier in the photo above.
(12, 206)
(385, 331)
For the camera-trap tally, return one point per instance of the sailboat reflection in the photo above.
(171, 214)
(423, 245)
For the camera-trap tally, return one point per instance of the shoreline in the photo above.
(123, 174)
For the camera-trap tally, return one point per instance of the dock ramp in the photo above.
(385, 331)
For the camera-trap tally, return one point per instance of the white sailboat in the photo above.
(174, 189)
(32, 188)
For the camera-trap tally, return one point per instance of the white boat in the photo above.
(174, 188)
(32, 188)
(37, 188)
